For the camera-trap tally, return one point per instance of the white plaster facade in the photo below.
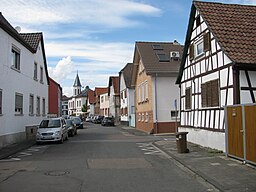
(164, 93)
(104, 104)
(13, 81)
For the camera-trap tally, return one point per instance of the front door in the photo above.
(235, 131)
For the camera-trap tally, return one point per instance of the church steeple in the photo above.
(77, 86)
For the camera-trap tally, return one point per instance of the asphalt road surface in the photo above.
(98, 159)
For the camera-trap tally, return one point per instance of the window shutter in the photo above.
(208, 94)
(191, 52)
(204, 95)
(207, 42)
(215, 93)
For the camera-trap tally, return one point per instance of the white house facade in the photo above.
(104, 104)
(127, 108)
(23, 82)
(215, 71)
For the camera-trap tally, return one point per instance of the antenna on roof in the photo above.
(18, 29)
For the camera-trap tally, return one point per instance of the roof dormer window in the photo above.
(163, 57)
(157, 47)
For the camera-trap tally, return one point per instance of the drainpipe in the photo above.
(156, 103)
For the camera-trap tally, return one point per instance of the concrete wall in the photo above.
(215, 140)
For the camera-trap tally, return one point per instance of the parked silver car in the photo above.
(52, 129)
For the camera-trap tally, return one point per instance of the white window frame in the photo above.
(15, 58)
(43, 106)
(35, 70)
(37, 106)
(199, 42)
(18, 106)
(41, 74)
(31, 104)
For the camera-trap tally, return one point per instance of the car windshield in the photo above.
(51, 123)
(69, 123)
(77, 120)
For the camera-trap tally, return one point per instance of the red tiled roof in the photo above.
(92, 98)
(234, 26)
(114, 81)
(100, 90)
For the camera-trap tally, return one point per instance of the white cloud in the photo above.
(110, 13)
(68, 91)
(114, 52)
(62, 69)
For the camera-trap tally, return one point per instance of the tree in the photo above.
(84, 108)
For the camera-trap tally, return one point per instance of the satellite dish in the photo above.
(18, 29)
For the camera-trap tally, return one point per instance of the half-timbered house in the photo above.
(218, 68)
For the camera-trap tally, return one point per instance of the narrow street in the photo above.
(98, 159)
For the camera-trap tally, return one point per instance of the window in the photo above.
(35, 71)
(163, 57)
(146, 118)
(18, 104)
(188, 98)
(210, 93)
(199, 46)
(139, 117)
(146, 90)
(15, 58)
(43, 105)
(125, 94)
(174, 114)
(38, 106)
(41, 74)
(102, 99)
(106, 98)
(142, 117)
(125, 111)
(1, 112)
(31, 104)
(157, 47)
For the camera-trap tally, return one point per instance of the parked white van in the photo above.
(52, 129)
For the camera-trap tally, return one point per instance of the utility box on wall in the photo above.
(31, 132)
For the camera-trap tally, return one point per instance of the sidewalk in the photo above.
(224, 173)
(14, 148)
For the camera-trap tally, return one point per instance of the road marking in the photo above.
(148, 149)
(9, 160)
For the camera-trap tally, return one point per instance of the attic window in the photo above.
(163, 57)
(157, 47)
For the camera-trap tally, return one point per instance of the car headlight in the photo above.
(57, 133)
(38, 134)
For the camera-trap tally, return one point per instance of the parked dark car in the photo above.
(108, 121)
(72, 130)
(98, 119)
(78, 122)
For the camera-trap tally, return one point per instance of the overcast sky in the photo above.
(97, 37)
